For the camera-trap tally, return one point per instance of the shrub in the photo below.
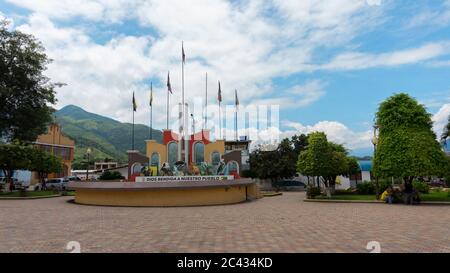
(365, 188)
(421, 187)
(383, 185)
(312, 192)
(111, 176)
(447, 180)
(344, 192)
(398, 196)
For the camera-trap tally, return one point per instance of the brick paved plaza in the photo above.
(276, 224)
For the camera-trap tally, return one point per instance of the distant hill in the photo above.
(108, 138)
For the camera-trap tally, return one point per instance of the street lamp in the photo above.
(375, 140)
(88, 154)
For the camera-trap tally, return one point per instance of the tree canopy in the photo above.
(277, 164)
(44, 163)
(14, 157)
(326, 160)
(407, 146)
(27, 157)
(25, 92)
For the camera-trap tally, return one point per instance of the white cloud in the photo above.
(309, 92)
(94, 10)
(243, 44)
(9, 20)
(440, 119)
(439, 16)
(100, 78)
(336, 132)
(358, 60)
(440, 63)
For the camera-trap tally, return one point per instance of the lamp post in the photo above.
(375, 141)
(88, 154)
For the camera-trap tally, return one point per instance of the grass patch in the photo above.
(436, 196)
(29, 194)
(69, 193)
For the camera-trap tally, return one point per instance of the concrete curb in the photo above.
(272, 194)
(31, 197)
(436, 203)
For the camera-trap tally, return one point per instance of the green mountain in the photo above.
(107, 138)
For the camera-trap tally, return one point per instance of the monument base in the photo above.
(162, 194)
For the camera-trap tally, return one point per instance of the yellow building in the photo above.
(56, 143)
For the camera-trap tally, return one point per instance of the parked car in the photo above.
(19, 184)
(437, 182)
(57, 184)
(291, 185)
(15, 181)
(3, 180)
(73, 178)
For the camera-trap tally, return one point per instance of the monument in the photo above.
(184, 170)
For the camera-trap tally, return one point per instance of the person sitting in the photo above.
(387, 196)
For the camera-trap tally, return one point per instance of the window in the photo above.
(172, 150)
(154, 161)
(199, 152)
(137, 167)
(215, 158)
(233, 167)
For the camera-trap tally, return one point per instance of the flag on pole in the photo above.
(236, 99)
(183, 56)
(219, 95)
(169, 87)
(134, 104)
(151, 94)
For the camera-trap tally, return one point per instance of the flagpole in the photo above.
(167, 125)
(132, 133)
(151, 122)
(186, 141)
(151, 111)
(183, 132)
(235, 117)
(206, 102)
(219, 98)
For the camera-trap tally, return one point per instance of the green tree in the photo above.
(407, 146)
(300, 143)
(44, 163)
(338, 165)
(353, 167)
(14, 157)
(314, 160)
(274, 165)
(325, 160)
(25, 92)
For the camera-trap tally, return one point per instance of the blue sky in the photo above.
(327, 64)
